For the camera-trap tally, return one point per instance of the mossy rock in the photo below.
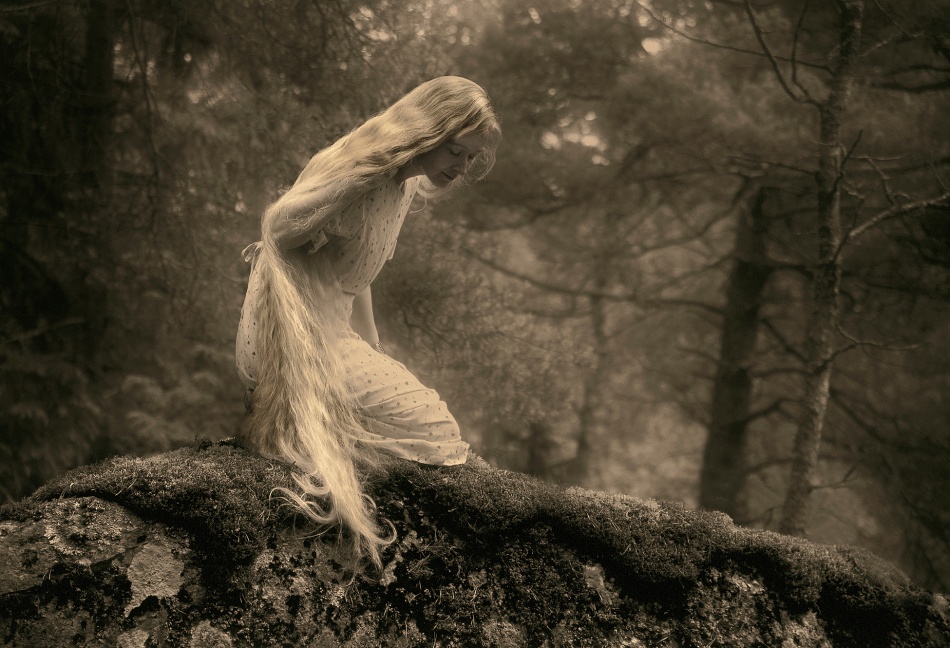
(189, 549)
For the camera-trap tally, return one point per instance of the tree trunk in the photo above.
(539, 445)
(593, 404)
(723, 472)
(590, 412)
(825, 283)
(98, 99)
(94, 178)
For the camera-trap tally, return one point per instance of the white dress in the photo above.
(401, 415)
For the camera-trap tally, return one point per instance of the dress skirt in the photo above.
(400, 415)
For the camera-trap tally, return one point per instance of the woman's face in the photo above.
(451, 158)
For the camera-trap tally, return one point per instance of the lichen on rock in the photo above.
(187, 549)
(154, 571)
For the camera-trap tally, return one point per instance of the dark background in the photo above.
(713, 229)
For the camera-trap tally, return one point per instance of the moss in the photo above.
(483, 557)
(217, 493)
(205, 635)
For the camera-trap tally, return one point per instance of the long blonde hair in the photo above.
(303, 411)
(420, 121)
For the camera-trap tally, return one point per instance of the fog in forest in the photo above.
(711, 264)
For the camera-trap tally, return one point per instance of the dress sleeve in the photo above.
(301, 218)
(344, 223)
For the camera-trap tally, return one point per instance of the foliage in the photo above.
(49, 421)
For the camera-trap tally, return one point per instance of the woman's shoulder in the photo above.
(374, 194)
(370, 189)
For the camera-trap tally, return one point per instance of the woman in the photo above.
(325, 396)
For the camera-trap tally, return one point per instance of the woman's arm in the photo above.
(294, 219)
(362, 319)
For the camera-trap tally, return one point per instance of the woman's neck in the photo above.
(411, 170)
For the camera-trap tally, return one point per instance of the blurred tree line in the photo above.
(711, 263)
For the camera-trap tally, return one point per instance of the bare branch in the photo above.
(856, 343)
(893, 212)
(764, 164)
(685, 303)
(794, 55)
(778, 371)
(885, 182)
(672, 175)
(919, 67)
(600, 294)
(780, 338)
(936, 86)
(43, 330)
(764, 412)
(731, 48)
(902, 30)
(546, 285)
(771, 57)
(844, 482)
(844, 161)
(884, 42)
(27, 7)
(899, 441)
(765, 465)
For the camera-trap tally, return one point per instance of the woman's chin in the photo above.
(441, 180)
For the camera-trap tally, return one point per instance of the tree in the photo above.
(724, 467)
(825, 283)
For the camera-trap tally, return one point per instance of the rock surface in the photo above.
(188, 549)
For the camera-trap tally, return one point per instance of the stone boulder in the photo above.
(190, 549)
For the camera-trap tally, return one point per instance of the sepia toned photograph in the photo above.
(500, 323)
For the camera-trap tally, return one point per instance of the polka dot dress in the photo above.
(401, 415)
(363, 236)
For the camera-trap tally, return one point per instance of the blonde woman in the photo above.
(325, 397)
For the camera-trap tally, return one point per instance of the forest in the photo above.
(711, 264)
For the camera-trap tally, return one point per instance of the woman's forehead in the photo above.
(474, 142)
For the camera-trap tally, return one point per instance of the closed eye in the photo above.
(457, 151)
